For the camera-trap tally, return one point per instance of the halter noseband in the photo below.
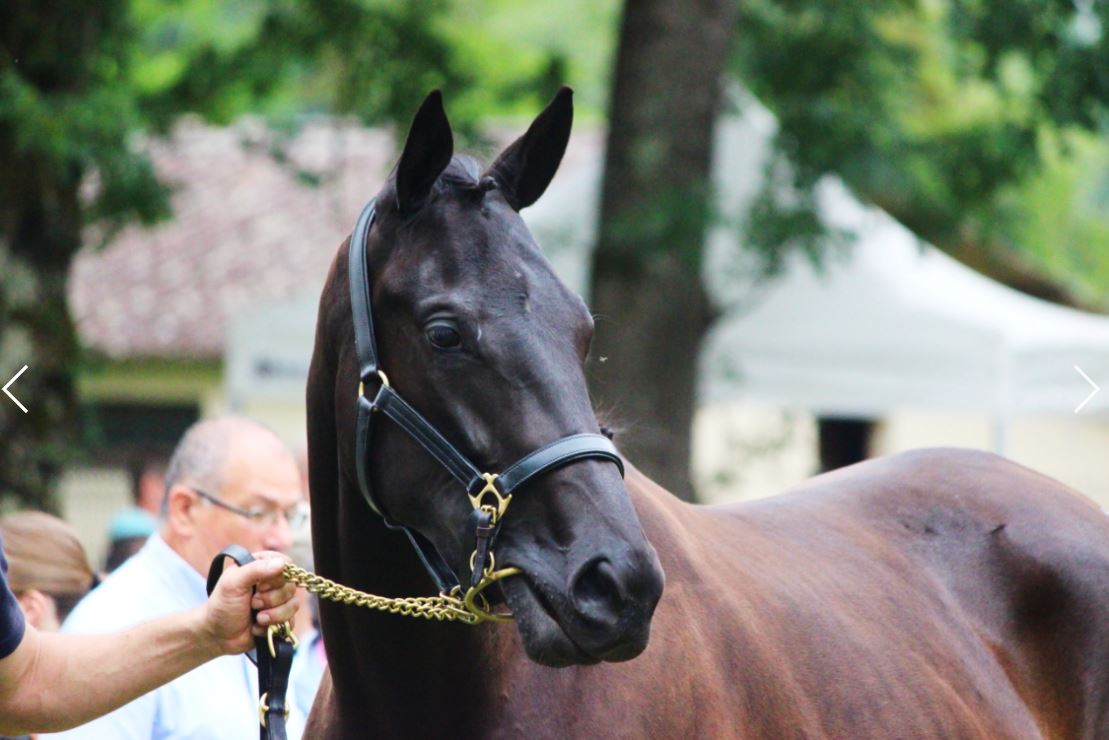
(489, 493)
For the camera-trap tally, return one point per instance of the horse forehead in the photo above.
(525, 287)
(478, 256)
(493, 258)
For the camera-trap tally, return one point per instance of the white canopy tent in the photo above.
(899, 324)
(892, 323)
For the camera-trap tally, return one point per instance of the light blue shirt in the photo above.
(308, 667)
(217, 700)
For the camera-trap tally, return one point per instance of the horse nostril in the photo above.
(597, 593)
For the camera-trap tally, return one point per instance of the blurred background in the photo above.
(811, 232)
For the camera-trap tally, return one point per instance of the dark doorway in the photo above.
(843, 441)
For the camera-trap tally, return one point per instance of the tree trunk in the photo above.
(651, 307)
(40, 231)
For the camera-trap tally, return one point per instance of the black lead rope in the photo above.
(273, 655)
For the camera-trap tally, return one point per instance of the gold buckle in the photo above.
(490, 487)
(282, 630)
(264, 708)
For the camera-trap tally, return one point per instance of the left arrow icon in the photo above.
(9, 385)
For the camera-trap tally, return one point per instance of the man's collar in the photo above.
(176, 571)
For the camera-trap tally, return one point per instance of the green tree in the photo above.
(973, 122)
(952, 115)
(81, 83)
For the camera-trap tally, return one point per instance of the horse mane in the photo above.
(463, 173)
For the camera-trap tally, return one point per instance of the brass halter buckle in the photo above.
(491, 488)
(473, 598)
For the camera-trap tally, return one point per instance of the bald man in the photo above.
(230, 481)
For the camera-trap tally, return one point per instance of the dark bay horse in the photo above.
(935, 594)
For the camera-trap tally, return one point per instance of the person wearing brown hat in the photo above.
(48, 570)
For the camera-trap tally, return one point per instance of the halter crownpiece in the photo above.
(489, 493)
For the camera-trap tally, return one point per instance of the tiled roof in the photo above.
(246, 229)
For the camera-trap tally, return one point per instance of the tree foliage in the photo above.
(82, 84)
(956, 116)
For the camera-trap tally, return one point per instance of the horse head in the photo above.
(475, 331)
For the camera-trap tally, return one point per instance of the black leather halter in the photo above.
(548, 457)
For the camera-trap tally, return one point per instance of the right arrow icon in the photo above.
(1092, 393)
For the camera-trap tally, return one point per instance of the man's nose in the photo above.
(279, 536)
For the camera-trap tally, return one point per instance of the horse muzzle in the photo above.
(602, 612)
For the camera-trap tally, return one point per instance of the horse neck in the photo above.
(408, 676)
(411, 676)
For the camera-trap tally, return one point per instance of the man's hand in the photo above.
(258, 585)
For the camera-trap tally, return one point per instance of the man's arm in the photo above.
(52, 682)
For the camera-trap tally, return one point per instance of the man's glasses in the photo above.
(262, 516)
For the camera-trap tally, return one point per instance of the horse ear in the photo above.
(427, 152)
(525, 168)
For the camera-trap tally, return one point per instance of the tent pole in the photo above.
(1003, 406)
(1001, 434)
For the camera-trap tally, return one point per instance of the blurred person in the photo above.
(309, 661)
(300, 550)
(230, 481)
(51, 682)
(128, 531)
(148, 481)
(129, 528)
(48, 570)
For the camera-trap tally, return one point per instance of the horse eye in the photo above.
(444, 335)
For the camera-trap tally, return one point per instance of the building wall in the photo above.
(741, 451)
(94, 488)
(1070, 449)
(749, 451)
(90, 496)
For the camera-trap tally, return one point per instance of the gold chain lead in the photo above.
(444, 608)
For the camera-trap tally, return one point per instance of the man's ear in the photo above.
(525, 168)
(180, 502)
(427, 152)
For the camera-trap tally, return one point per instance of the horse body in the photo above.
(911, 597)
(937, 594)
(943, 594)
